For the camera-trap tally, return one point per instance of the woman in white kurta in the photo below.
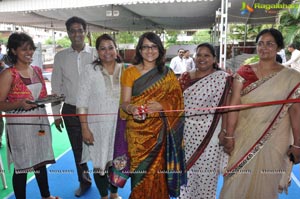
(99, 97)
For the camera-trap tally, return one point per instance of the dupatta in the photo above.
(119, 172)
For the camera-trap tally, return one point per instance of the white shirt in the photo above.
(189, 63)
(68, 64)
(178, 65)
(294, 62)
(282, 55)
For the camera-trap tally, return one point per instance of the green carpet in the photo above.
(60, 143)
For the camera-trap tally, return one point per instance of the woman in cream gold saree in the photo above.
(259, 138)
(151, 87)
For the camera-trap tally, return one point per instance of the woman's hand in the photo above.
(221, 138)
(135, 111)
(153, 106)
(294, 152)
(27, 104)
(87, 136)
(228, 145)
(184, 80)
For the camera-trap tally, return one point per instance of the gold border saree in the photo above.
(149, 141)
(259, 162)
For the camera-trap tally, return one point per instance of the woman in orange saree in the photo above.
(260, 139)
(154, 143)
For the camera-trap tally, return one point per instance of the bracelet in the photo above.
(295, 146)
(229, 137)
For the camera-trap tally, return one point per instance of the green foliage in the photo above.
(201, 36)
(94, 36)
(198, 37)
(125, 38)
(171, 38)
(237, 32)
(49, 41)
(64, 42)
(120, 37)
(3, 40)
(251, 60)
(289, 24)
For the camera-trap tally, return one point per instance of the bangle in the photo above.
(229, 137)
(224, 130)
(295, 146)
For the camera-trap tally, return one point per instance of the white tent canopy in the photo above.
(140, 15)
(130, 15)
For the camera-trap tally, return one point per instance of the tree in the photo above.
(171, 38)
(289, 24)
(245, 32)
(125, 38)
(120, 37)
(201, 36)
(64, 42)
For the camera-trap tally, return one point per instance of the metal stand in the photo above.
(2, 174)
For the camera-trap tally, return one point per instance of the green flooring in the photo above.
(60, 143)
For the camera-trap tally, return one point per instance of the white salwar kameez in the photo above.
(99, 92)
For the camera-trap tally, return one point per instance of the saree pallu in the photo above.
(204, 157)
(148, 140)
(119, 171)
(259, 165)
